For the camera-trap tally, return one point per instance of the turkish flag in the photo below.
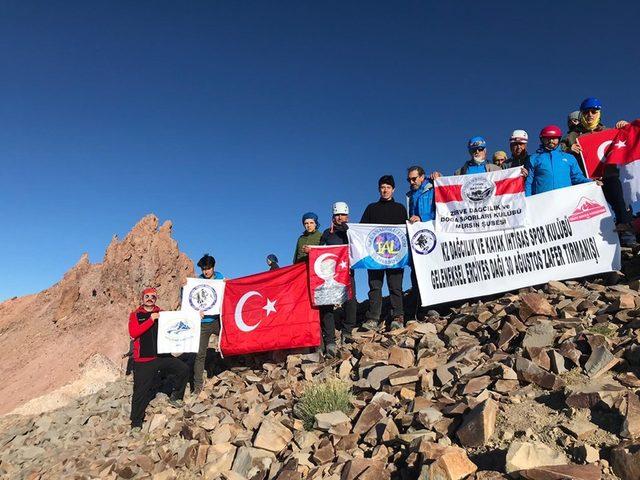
(594, 147)
(268, 311)
(329, 276)
(625, 147)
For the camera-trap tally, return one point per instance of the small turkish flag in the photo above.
(329, 276)
(625, 147)
(268, 311)
(594, 147)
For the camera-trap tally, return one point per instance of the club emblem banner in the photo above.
(569, 234)
(378, 247)
(480, 202)
(202, 295)
(329, 278)
(178, 332)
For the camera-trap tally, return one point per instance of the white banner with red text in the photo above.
(480, 202)
(569, 234)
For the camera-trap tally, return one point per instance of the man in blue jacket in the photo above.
(420, 208)
(477, 147)
(551, 168)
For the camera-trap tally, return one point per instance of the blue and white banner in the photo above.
(202, 295)
(378, 247)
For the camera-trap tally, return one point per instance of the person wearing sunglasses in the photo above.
(550, 168)
(148, 366)
(421, 207)
(477, 147)
(591, 121)
(518, 146)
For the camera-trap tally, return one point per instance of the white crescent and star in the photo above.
(269, 307)
(603, 146)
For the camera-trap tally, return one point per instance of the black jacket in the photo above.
(385, 212)
(337, 237)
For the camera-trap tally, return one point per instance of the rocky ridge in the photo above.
(47, 339)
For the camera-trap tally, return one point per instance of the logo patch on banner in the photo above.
(423, 241)
(387, 245)
(202, 297)
(478, 190)
(378, 247)
(586, 209)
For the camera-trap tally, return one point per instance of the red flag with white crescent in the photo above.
(594, 147)
(268, 311)
(329, 277)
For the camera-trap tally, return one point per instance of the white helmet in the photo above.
(340, 208)
(519, 136)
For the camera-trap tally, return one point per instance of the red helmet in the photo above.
(551, 131)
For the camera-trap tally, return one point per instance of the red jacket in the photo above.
(144, 332)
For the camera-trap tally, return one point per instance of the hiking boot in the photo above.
(628, 239)
(196, 391)
(331, 351)
(371, 325)
(347, 338)
(397, 322)
(135, 430)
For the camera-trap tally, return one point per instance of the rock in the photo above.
(402, 377)
(429, 417)
(370, 415)
(364, 469)
(324, 453)
(539, 335)
(600, 361)
(588, 454)
(272, 436)
(631, 423)
(530, 372)
(562, 472)
(625, 461)
(378, 375)
(452, 465)
(478, 425)
(477, 384)
(375, 351)
(249, 461)
(527, 455)
(580, 429)
(588, 396)
(158, 422)
(402, 357)
(327, 421)
(535, 304)
(219, 458)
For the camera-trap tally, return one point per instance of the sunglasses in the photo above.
(477, 149)
(147, 295)
(412, 179)
(592, 111)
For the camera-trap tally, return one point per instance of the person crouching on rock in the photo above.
(148, 365)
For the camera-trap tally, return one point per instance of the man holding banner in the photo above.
(388, 246)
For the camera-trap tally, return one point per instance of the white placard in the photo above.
(202, 295)
(179, 332)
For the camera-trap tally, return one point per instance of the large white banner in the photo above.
(480, 202)
(377, 247)
(569, 234)
(202, 295)
(178, 332)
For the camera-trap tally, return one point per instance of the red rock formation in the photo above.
(45, 338)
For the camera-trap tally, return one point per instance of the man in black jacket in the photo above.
(385, 211)
(337, 235)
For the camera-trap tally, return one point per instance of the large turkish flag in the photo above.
(269, 311)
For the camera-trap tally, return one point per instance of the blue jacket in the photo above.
(421, 202)
(211, 318)
(470, 167)
(549, 170)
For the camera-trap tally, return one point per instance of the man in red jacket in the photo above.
(148, 366)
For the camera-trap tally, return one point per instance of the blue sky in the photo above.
(234, 118)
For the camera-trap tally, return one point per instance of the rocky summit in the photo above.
(540, 384)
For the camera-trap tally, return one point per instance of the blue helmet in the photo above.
(591, 102)
(476, 142)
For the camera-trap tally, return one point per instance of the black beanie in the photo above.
(387, 180)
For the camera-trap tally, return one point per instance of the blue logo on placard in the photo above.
(387, 245)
